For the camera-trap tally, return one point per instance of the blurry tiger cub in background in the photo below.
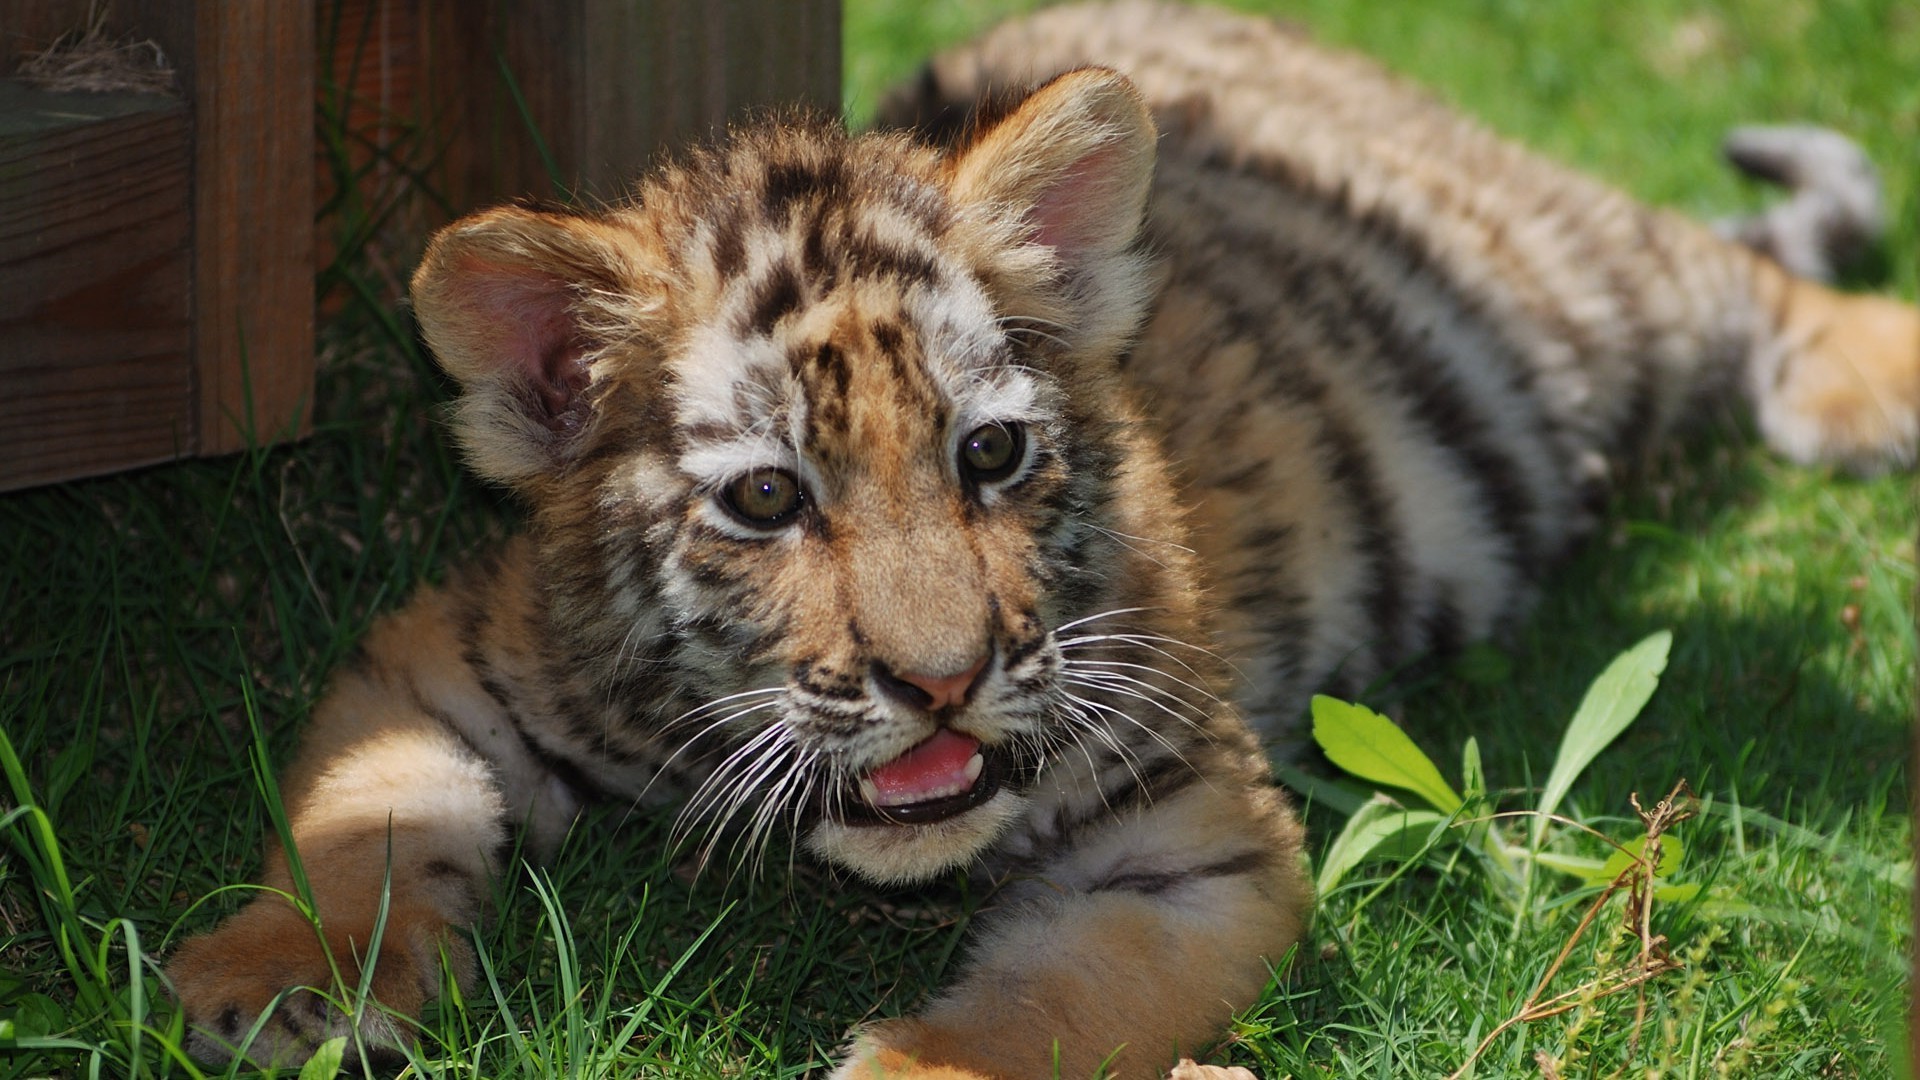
(875, 487)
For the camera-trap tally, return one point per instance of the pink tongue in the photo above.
(935, 768)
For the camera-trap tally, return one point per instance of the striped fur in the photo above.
(1344, 365)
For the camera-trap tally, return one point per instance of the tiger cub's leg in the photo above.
(1839, 377)
(1132, 949)
(390, 798)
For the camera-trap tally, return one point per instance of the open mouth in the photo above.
(948, 774)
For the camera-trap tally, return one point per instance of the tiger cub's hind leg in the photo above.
(1840, 379)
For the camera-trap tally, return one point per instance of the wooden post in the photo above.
(87, 399)
(588, 92)
(252, 70)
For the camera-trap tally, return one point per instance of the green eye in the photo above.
(764, 497)
(991, 452)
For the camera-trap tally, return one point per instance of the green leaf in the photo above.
(36, 1015)
(1671, 851)
(1601, 872)
(1371, 747)
(1676, 894)
(325, 1062)
(1376, 827)
(1612, 702)
(1473, 776)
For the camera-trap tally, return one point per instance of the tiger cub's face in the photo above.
(817, 436)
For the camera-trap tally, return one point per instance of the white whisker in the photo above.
(1082, 664)
(1148, 729)
(1185, 721)
(1100, 615)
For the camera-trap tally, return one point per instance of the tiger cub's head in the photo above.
(824, 447)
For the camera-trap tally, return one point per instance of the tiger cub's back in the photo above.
(1396, 358)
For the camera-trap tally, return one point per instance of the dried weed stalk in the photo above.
(1652, 959)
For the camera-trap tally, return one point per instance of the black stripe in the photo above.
(791, 182)
(775, 296)
(1635, 424)
(569, 772)
(1445, 628)
(868, 257)
(447, 875)
(1439, 403)
(1156, 882)
(1445, 406)
(1159, 780)
(1378, 541)
(730, 246)
(1364, 327)
(1346, 462)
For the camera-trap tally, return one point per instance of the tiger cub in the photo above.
(901, 492)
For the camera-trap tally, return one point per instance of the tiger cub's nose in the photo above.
(929, 692)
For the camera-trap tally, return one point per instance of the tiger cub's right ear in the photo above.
(516, 305)
(1073, 163)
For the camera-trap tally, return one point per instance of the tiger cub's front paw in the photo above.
(226, 979)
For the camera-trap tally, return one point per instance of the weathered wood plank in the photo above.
(95, 273)
(252, 73)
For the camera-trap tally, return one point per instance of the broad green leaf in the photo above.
(1372, 747)
(1612, 702)
(325, 1062)
(1671, 851)
(1676, 894)
(1601, 872)
(1373, 827)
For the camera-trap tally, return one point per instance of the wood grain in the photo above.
(95, 272)
(252, 73)
(603, 86)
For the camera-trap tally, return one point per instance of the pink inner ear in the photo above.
(534, 336)
(1075, 212)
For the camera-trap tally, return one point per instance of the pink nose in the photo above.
(944, 691)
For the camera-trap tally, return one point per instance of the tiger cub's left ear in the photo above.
(515, 304)
(1074, 162)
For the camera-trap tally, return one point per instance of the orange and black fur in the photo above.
(906, 494)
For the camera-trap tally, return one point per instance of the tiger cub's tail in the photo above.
(1833, 214)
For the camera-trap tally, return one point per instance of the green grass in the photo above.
(148, 621)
